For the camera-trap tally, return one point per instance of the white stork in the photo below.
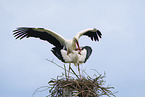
(57, 40)
(69, 56)
(73, 57)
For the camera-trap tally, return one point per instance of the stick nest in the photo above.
(82, 87)
(77, 86)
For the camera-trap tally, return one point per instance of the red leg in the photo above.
(69, 69)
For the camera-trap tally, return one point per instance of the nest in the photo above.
(82, 87)
(77, 86)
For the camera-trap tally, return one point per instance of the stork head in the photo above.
(75, 40)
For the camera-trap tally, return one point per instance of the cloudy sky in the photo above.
(120, 53)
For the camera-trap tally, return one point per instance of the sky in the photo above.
(120, 53)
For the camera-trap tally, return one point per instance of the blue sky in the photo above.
(120, 52)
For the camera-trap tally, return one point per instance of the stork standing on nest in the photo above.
(71, 45)
(73, 57)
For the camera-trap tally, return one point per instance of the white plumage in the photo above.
(73, 57)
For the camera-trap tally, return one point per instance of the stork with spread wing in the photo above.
(57, 40)
(71, 54)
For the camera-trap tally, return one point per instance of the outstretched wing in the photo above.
(88, 53)
(41, 33)
(94, 34)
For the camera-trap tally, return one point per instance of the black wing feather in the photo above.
(89, 52)
(57, 53)
(94, 34)
(22, 32)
